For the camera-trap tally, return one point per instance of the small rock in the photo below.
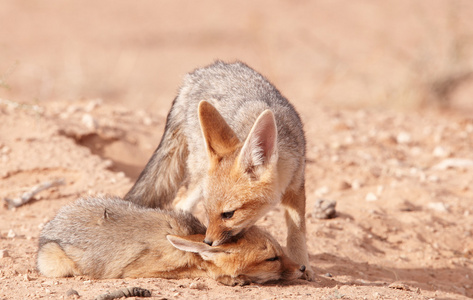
(5, 150)
(344, 185)
(4, 253)
(197, 286)
(399, 286)
(440, 152)
(328, 275)
(27, 277)
(408, 206)
(371, 197)
(438, 206)
(89, 121)
(11, 234)
(454, 163)
(324, 209)
(72, 293)
(356, 185)
(403, 138)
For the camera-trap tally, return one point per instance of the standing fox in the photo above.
(234, 141)
(113, 238)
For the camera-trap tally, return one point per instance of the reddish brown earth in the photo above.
(85, 88)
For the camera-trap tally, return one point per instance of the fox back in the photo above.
(112, 238)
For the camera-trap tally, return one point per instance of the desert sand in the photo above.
(383, 89)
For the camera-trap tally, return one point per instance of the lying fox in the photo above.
(113, 238)
(234, 141)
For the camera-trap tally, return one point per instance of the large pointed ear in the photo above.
(260, 148)
(182, 243)
(219, 137)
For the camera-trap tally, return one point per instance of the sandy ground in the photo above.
(85, 89)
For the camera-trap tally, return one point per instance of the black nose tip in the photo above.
(302, 268)
(208, 242)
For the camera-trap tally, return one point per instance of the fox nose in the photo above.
(210, 243)
(302, 269)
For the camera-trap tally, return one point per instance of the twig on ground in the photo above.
(125, 292)
(27, 196)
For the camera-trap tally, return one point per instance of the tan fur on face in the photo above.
(229, 188)
(256, 266)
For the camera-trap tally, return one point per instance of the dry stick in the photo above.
(125, 292)
(27, 196)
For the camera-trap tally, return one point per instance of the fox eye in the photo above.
(273, 258)
(227, 214)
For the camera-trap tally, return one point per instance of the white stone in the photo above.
(370, 197)
(403, 138)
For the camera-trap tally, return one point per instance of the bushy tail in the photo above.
(160, 180)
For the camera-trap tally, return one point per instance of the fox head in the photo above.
(254, 256)
(241, 184)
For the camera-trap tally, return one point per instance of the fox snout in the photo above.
(219, 238)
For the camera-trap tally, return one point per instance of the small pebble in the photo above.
(328, 275)
(370, 197)
(89, 122)
(403, 138)
(356, 185)
(454, 163)
(72, 293)
(11, 234)
(324, 209)
(344, 185)
(197, 286)
(440, 152)
(4, 253)
(399, 286)
(438, 206)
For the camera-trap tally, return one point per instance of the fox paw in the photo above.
(308, 274)
(234, 281)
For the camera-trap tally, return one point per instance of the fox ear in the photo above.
(219, 137)
(260, 147)
(182, 243)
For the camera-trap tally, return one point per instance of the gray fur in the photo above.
(240, 94)
(111, 233)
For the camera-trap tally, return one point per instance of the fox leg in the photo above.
(294, 203)
(189, 200)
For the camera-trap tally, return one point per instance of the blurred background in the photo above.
(398, 53)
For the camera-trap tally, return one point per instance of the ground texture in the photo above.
(386, 105)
